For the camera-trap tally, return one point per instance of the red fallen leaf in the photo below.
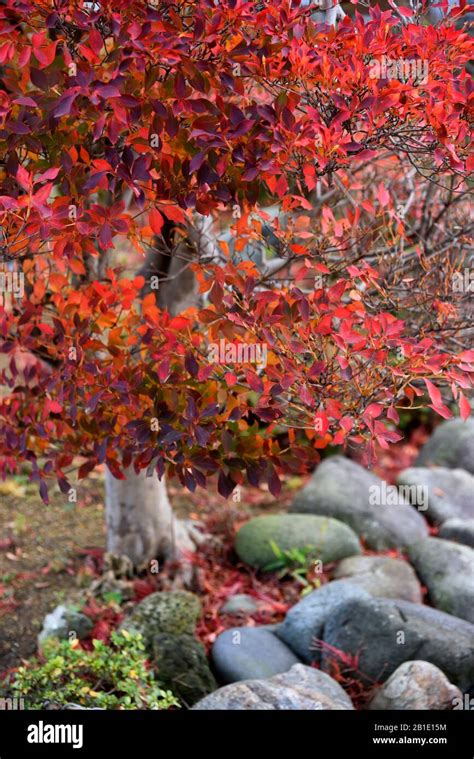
(8, 543)
(101, 631)
(142, 589)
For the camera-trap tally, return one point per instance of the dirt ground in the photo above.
(41, 557)
(47, 553)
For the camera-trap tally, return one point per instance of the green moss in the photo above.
(175, 613)
(320, 537)
(180, 663)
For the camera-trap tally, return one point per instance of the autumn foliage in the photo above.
(121, 120)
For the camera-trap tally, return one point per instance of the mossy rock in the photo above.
(325, 539)
(174, 613)
(181, 665)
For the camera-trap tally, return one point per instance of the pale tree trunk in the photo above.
(140, 520)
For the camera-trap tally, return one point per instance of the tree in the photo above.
(126, 128)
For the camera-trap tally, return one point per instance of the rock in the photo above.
(448, 492)
(300, 688)
(244, 653)
(241, 603)
(416, 685)
(174, 612)
(328, 539)
(459, 530)
(447, 570)
(181, 665)
(451, 445)
(64, 621)
(381, 576)
(383, 634)
(305, 621)
(342, 489)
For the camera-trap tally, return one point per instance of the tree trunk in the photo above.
(140, 521)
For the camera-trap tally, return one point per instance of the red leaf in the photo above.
(464, 406)
(156, 221)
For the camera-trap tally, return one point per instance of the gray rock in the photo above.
(449, 492)
(63, 622)
(451, 445)
(241, 603)
(459, 530)
(447, 570)
(174, 612)
(342, 489)
(300, 688)
(181, 665)
(305, 621)
(325, 539)
(244, 653)
(381, 576)
(383, 634)
(416, 685)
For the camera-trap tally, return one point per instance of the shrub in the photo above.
(111, 676)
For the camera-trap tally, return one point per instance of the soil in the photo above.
(41, 557)
(48, 553)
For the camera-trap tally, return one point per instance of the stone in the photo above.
(416, 685)
(344, 490)
(385, 633)
(300, 688)
(458, 530)
(381, 576)
(451, 445)
(181, 665)
(305, 621)
(325, 539)
(447, 570)
(449, 492)
(241, 603)
(173, 612)
(63, 623)
(245, 653)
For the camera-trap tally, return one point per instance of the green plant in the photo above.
(111, 676)
(297, 563)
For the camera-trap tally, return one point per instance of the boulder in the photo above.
(63, 623)
(451, 445)
(324, 539)
(300, 688)
(241, 603)
(447, 570)
(449, 492)
(383, 634)
(181, 665)
(304, 624)
(381, 576)
(174, 612)
(344, 490)
(416, 685)
(244, 653)
(458, 530)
